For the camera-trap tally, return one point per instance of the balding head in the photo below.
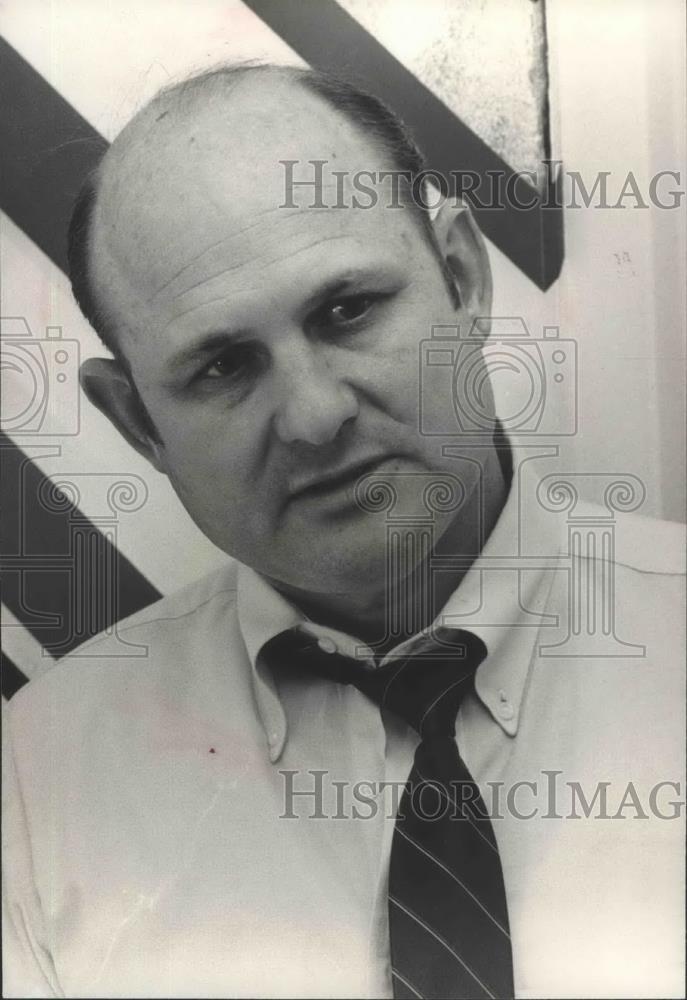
(258, 115)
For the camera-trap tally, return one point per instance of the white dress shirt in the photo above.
(155, 843)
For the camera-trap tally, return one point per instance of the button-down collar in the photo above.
(493, 600)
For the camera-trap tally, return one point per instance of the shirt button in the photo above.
(326, 644)
(506, 710)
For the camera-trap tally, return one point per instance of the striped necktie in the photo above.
(448, 920)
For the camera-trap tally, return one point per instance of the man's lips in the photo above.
(337, 479)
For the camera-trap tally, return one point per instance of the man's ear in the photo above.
(465, 252)
(109, 388)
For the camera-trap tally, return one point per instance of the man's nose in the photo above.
(313, 401)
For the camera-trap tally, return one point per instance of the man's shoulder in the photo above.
(177, 632)
(644, 544)
(175, 612)
(638, 571)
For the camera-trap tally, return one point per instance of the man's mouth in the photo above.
(336, 481)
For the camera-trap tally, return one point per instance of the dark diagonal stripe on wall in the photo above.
(63, 579)
(46, 150)
(327, 37)
(11, 675)
(51, 558)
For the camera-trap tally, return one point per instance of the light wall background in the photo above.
(617, 104)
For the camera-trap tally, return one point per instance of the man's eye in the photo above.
(229, 365)
(346, 311)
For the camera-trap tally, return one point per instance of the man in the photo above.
(212, 819)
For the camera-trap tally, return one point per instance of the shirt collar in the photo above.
(264, 613)
(500, 604)
(503, 596)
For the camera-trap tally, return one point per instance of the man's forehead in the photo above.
(185, 178)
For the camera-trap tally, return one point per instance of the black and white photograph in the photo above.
(343, 498)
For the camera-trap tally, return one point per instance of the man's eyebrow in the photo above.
(338, 285)
(212, 342)
(331, 288)
(344, 282)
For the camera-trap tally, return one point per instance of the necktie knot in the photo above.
(425, 688)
